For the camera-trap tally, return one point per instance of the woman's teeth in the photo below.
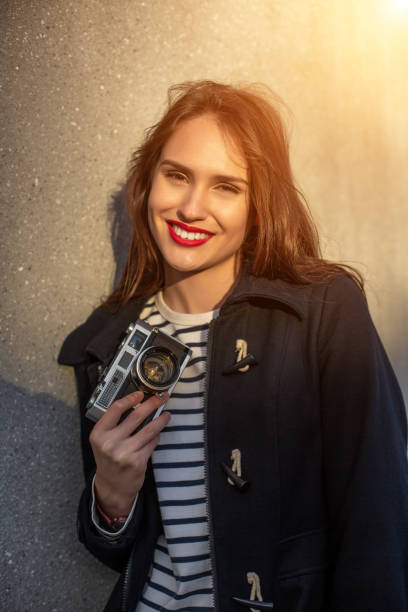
(188, 235)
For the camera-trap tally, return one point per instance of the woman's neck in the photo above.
(201, 291)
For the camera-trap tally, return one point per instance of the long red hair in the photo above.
(282, 242)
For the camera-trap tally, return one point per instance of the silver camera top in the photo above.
(147, 359)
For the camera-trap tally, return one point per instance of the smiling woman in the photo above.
(277, 477)
(202, 204)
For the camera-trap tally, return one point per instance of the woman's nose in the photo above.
(194, 204)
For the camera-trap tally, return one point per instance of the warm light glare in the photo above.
(400, 5)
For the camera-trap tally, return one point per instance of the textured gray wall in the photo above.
(79, 83)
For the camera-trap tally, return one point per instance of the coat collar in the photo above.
(288, 294)
(105, 343)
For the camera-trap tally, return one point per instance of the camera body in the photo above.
(148, 360)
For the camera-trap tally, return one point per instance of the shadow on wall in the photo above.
(121, 231)
(43, 565)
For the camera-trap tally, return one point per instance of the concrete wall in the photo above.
(79, 83)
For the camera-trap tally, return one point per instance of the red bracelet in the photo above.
(114, 523)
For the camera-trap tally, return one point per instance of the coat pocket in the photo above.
(302, 572)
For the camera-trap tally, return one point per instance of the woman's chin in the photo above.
(186, 266)
(184, 269)
(184, 262)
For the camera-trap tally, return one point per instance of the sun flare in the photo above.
(400, 5)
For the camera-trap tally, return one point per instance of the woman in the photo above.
(276, 477)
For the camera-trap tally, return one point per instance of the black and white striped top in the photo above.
(180, 577)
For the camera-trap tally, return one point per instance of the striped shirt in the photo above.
(180, 577)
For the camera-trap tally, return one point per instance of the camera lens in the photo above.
(157, 368)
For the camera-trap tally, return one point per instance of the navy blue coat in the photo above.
(320, 423)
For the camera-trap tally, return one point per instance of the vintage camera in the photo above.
(148, 360)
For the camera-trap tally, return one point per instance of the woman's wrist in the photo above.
(112, 504)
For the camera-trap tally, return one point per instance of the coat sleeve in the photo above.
(112, 553)
(364, 459)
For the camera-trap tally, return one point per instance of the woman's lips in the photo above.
(186, 235)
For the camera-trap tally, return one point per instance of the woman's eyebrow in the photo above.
(218, 177)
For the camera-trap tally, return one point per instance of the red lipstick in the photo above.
(189, 229)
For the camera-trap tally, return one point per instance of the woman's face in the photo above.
(198, 203)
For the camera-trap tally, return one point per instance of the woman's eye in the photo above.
(230, 188)
(176, 176)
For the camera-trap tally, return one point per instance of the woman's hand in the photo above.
(121, 458)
